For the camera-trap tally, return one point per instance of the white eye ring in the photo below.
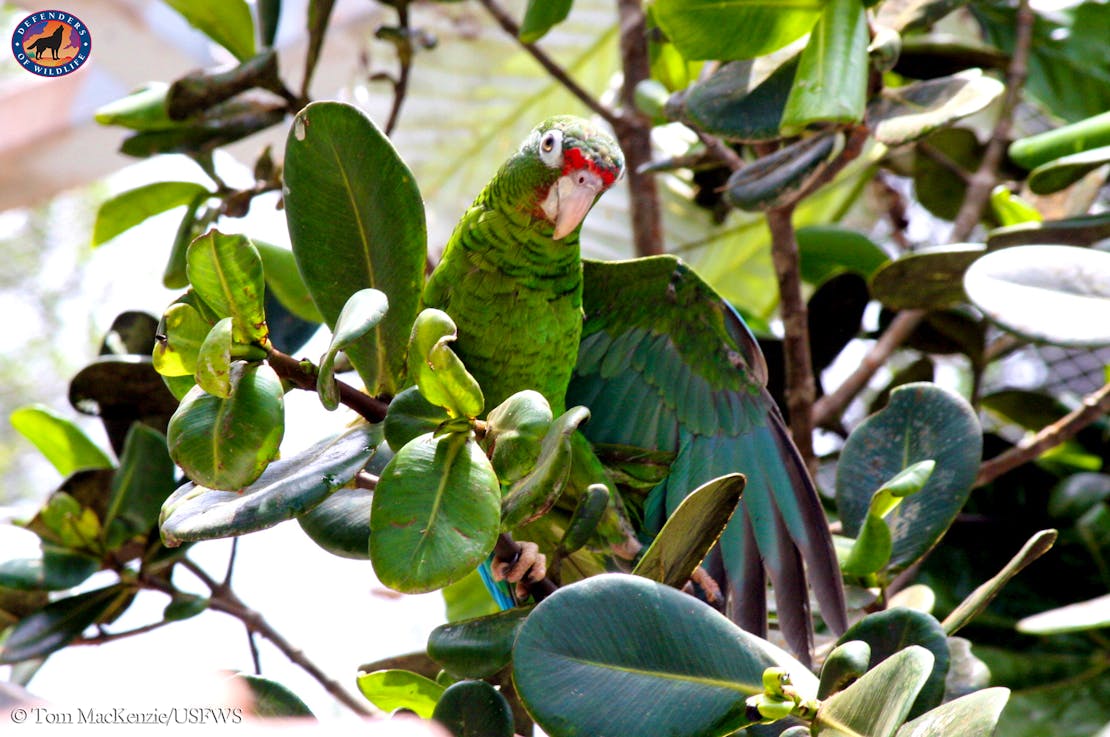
(551, 148)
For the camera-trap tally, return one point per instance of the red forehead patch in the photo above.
(574, 159)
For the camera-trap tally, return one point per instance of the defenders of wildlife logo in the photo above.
(51, 43)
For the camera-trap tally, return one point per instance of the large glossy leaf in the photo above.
(145, 478)
(516, 429)
(356, 220)
(1055, 294)
(227, 22)
(272, 699)
(58, 623)
(227, 443)
(474, 709)
(777, 179)
(734, 29)
(183, 332)
(128, 209)
(831, 83)
(876, 704)
(1079, 231)
(1036, 151)
(1067, 170)
(889, 632)
(437, 370)
(921, 422)
(401, 689)
(538, 490)
(904, 114)
(435, 515)
(341, 523)
(974, 715)
(226, 272)
(477, 648)
(827, 250)
(284, 280)
(691, 531)
(613, 640)
(930, 278)
(56, 570)
(64, 444)
(286, 488)
(738, 103)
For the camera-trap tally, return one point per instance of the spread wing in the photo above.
(666, 364)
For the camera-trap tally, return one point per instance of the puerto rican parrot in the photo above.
(660, 360)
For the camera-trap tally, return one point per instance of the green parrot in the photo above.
(660, 360)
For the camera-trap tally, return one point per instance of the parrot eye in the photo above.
(551, 148)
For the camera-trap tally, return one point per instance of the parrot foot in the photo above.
(708, 585)
(529, 566)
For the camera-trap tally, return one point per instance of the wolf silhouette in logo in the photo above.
(48, 43)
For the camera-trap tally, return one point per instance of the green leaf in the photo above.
(831, 83)
(1038, 150)
(64, 444)
(341, 523)
(285, 282)
(128, 209)
(691, 531)
(536, 492)
(144, 480)
(57, 624)
(1011, 209)
(973, 715)
(615, 639)
(363, 311)
(738, 103)
(978, 599)
(269, 15)
(57, 570)
(227, 22)
(734, 29)
(1084, 230)
(929, 278)
(317, 22)
(541, 16)
(480, 647)
(213, 365)
(888, 633)
(184, 606)
(174, 276)
(877, 703)
(1063, 172)
(183, 331)
(474, 709)
(141, 110)
(226, 272)
(401, 689)
(777, 180)
(435, 515)
(411, 415)
(1040, 291)
(356, 220)
(826, 251)
(846, 663)
(587, 515)
(271, 699)
(872, 548)
(440, 374)
(227, 443)
(287, 488)
(516, 429)
(1079, 617)
(904, 114)
(921, 422)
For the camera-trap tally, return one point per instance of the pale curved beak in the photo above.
(569, 199)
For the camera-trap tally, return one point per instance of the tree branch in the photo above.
(800, 384)
(510, 26)
(302, 374)
(1094, 406)
(986, 176)
(105, 637)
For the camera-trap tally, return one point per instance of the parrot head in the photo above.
(572, 163)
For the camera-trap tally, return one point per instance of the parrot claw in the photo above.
(708, 585)
(529, 566)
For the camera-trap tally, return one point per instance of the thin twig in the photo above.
(986, 176)
(302, 374)
(405, 51)
(256, 657)
(510, 26)
(1094, 406)
(800, 384)
(223, 599)
(105, 637)
(231, 561)
(829, 407)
